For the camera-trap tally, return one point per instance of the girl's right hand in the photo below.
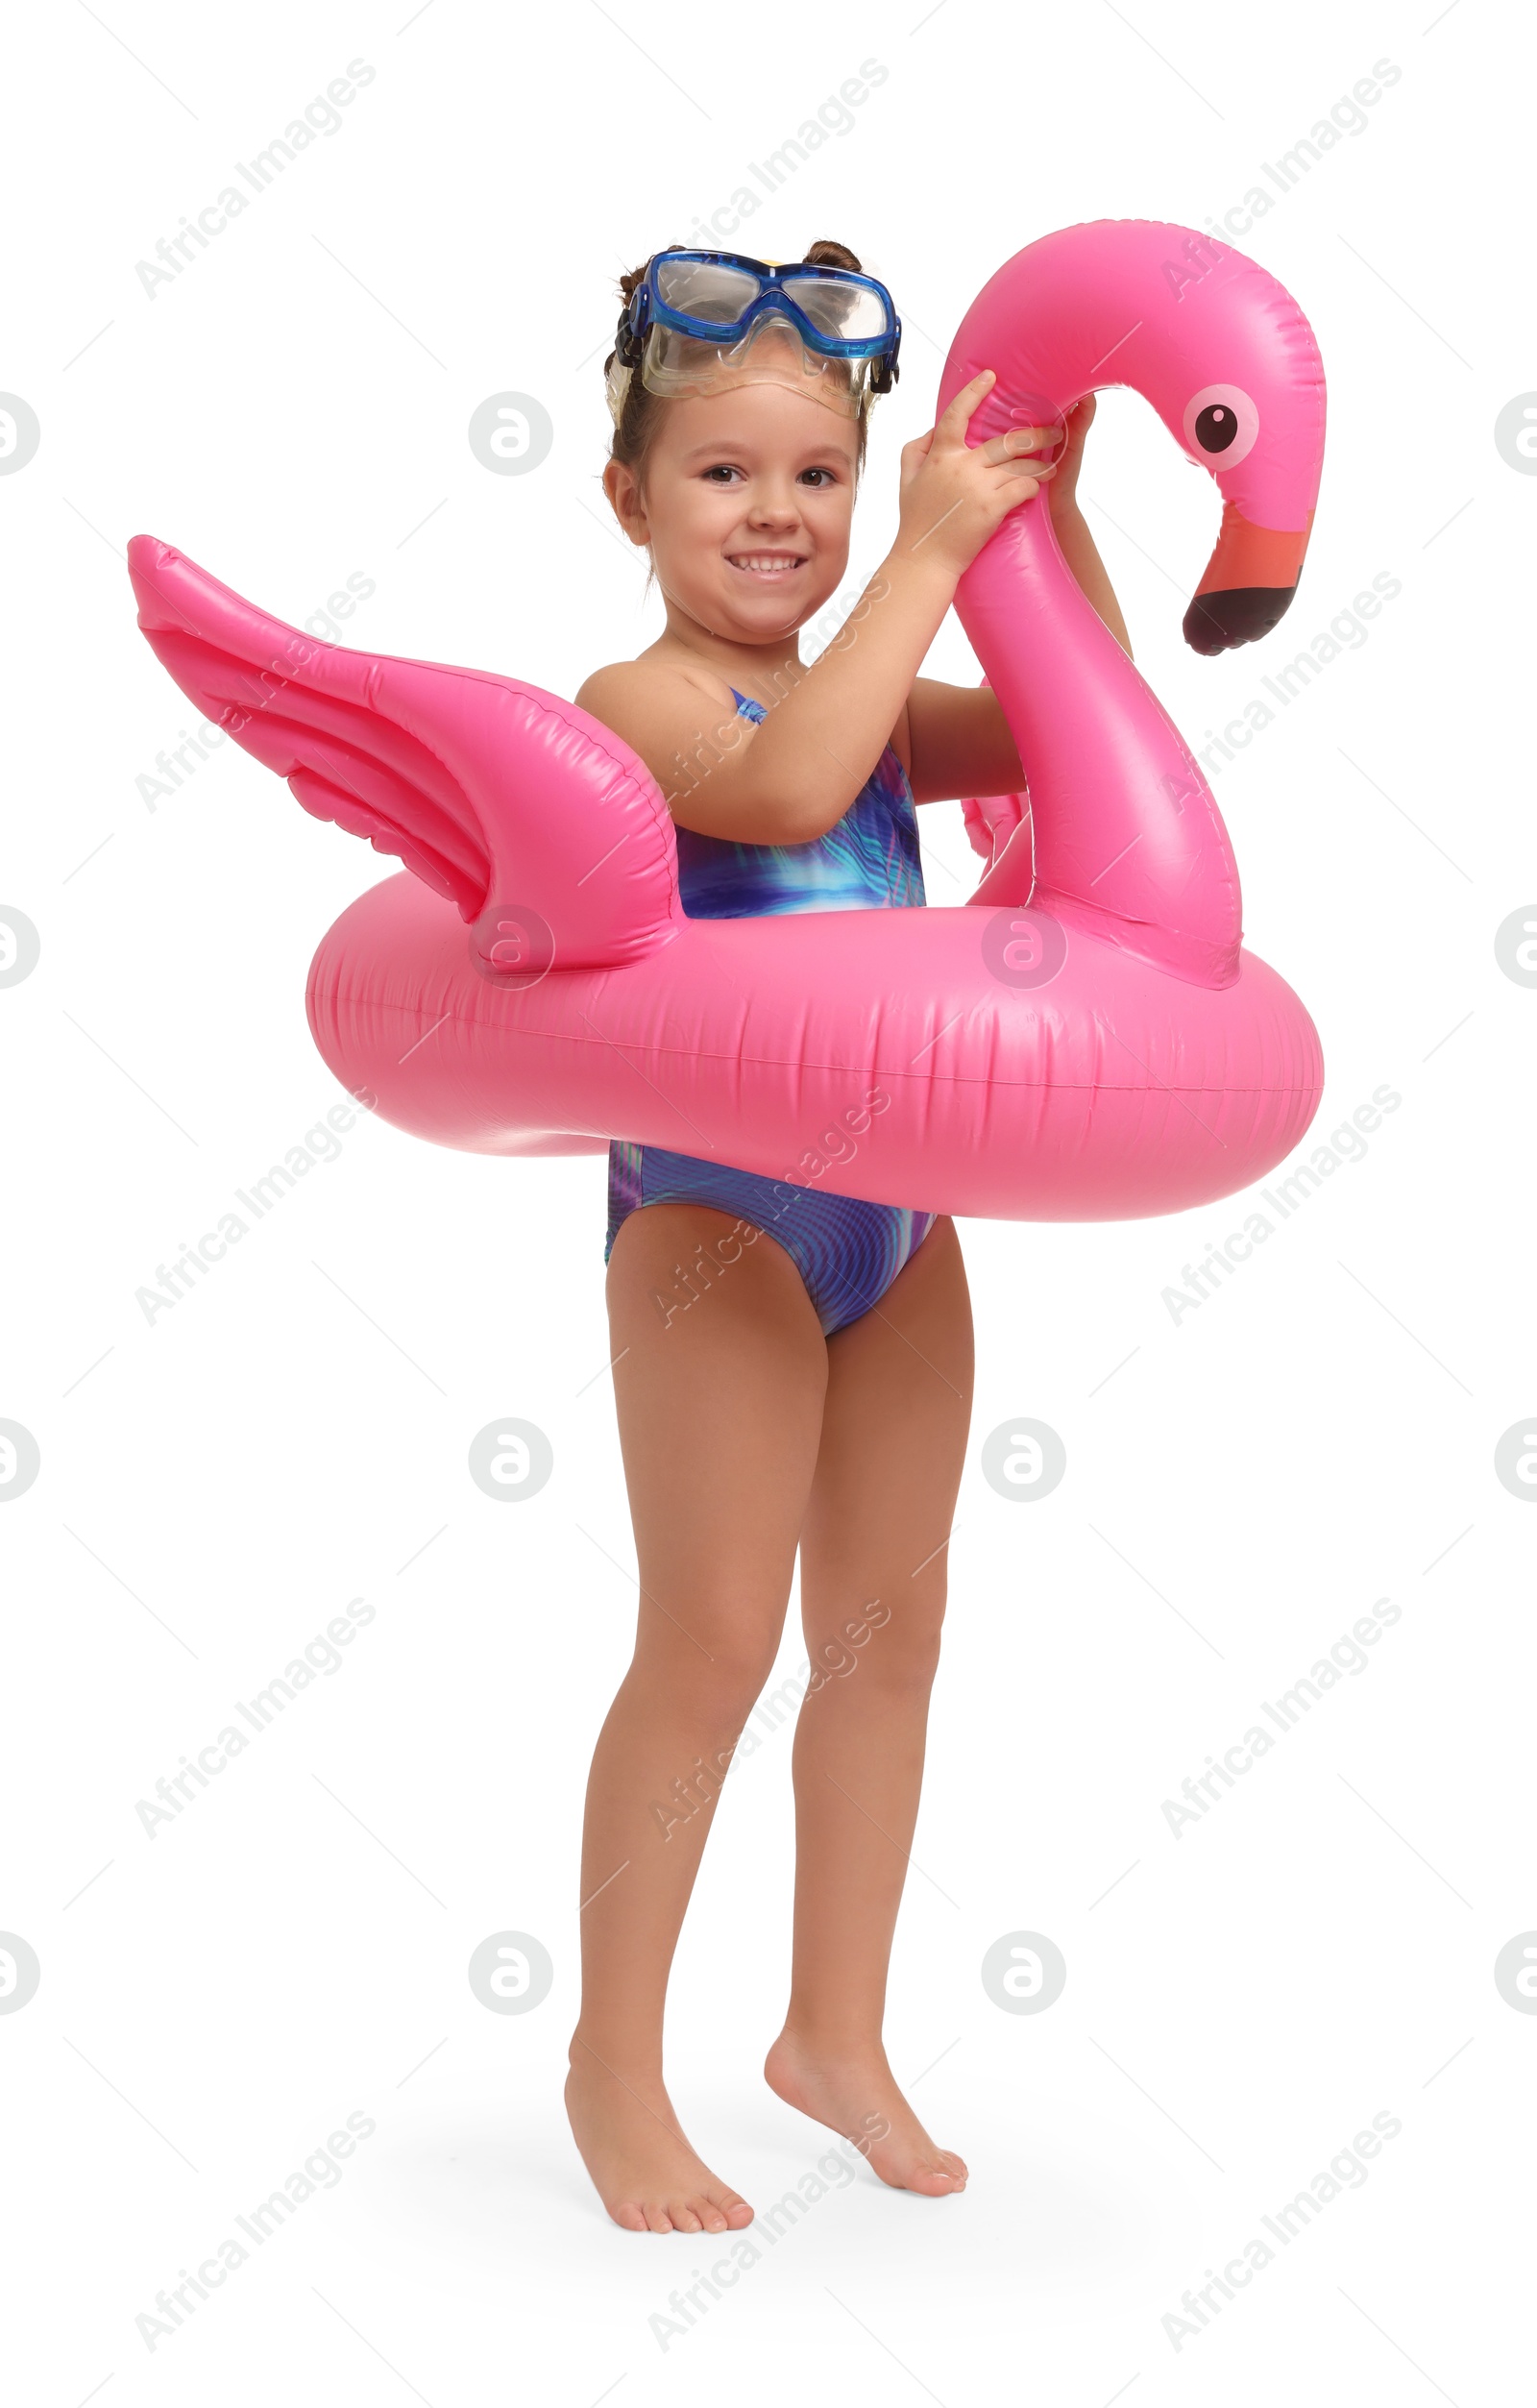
(954, 496)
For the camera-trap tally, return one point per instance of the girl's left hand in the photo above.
(1061, 492)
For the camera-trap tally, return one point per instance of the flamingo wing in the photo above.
(500, 797)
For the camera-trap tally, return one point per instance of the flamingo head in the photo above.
(1219, 349)
(1241, 387)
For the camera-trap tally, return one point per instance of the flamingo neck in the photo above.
(1128, 841)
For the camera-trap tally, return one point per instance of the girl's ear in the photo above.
(620, 486)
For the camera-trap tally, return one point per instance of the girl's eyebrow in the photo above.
(723, 450)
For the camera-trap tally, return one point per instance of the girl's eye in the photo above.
(725, 468)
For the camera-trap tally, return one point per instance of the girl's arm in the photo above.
(959, 739)
(792, 778)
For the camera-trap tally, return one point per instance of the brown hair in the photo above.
(642, 414)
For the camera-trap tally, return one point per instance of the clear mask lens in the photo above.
(705, 288)
(849, 313)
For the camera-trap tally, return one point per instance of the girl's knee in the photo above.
(879, 1647)
(717, 1669)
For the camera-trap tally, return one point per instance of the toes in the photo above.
(934, 2181)
(737, 2214)
(708, 2213)
(657, 2220)
(943, 2177)
(629, 2215)
(684, 2219)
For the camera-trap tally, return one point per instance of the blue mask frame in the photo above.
(647, 306)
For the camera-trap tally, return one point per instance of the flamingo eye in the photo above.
(1221, 426)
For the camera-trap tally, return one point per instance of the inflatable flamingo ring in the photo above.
(1085, 1040)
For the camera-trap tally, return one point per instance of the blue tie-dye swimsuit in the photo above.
(847, 1252)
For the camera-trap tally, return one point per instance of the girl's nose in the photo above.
(774, 510)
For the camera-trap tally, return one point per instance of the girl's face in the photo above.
(750, 495)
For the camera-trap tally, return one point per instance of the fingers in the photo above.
(1018, 439)
(953, 421)
(943, 472)
(1023, 487)
(949, 433)
(1016, 457)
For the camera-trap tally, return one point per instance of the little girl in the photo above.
(792, 1368)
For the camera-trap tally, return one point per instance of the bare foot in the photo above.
(858, 2097)
(645, 2174)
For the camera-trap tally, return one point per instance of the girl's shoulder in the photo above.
(662, 710)
(656, 683)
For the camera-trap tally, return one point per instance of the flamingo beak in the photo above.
(1248, 584)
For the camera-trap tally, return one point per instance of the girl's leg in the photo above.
(872, 1560)
(720, 1411)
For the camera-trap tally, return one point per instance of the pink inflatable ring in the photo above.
(1086, 1040)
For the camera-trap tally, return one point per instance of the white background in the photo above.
(1241, 1485)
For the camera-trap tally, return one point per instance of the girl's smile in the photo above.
(773, 568)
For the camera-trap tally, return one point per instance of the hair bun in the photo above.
(833, 254)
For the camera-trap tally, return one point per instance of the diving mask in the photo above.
(704, 321)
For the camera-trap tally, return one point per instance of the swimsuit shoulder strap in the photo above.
(747, 708)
